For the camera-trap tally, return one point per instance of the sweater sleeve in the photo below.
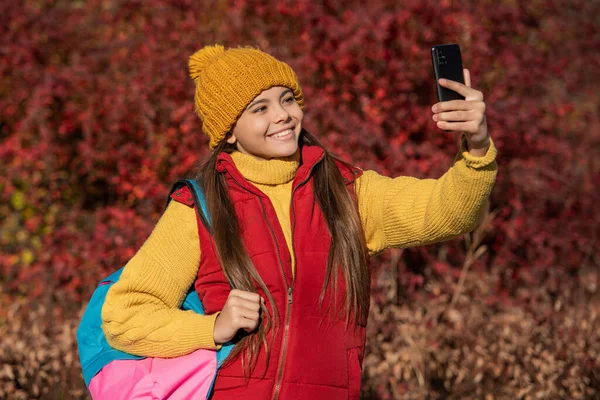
(141, 312)
(405, 211)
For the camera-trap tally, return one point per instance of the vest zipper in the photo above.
(284, 345)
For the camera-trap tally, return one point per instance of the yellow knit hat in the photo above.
(228, 80)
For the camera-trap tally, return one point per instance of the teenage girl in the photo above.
(282, 267)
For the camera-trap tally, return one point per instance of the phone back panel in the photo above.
(447, 63)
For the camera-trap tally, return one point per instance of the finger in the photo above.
(467, 76)
(466, 126)
(455, 116)
(243, 294)
(248, 324)
(251, 328)
(454, 105)
(235, 303)
(249, 315)
(239, 321)
(458, 87)
(250, 305)
(242, 310)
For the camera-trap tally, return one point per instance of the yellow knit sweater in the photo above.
(141, 315)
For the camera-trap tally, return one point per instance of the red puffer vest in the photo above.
(314, 355)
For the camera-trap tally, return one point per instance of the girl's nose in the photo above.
(281, 115)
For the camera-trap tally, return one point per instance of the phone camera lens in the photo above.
(442, 59)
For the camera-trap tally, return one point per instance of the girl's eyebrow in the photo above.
(285, 92)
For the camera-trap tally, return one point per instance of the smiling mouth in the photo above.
(282, 133)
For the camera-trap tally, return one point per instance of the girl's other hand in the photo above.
(241, 311)
(466, 115)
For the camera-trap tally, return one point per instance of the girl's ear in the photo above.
(230, 138)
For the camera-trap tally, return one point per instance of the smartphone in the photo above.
(447, 63)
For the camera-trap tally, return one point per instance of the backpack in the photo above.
(112, 374)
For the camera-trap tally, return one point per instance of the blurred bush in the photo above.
(96, 122)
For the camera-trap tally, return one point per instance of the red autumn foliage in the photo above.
(97, 120)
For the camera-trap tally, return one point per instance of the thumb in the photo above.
(467, 76)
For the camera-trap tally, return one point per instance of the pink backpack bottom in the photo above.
(187, 377)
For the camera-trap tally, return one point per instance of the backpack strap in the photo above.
(188, 191)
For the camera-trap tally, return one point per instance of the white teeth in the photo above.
(282, 134)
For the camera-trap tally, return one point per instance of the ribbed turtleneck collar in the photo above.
(265, 172)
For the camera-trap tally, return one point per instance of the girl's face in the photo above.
(270, 126)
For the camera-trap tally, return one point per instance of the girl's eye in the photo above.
(259, 109)
(290, 99)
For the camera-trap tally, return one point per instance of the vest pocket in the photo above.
(354, 374)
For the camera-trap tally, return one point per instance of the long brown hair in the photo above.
(347, 252)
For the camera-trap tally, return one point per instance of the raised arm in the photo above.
(405, 211)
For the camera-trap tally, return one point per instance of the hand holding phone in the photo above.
(460, 108)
